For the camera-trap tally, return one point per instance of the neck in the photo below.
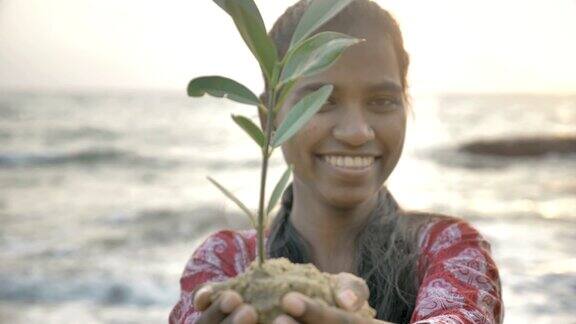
(330, 231)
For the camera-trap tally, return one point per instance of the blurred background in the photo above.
(103, 158)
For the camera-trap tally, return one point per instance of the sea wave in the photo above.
(8, 111)
(122, 157)
(454, 157)
(137, 290)
(87, 132)
(154, 227)
(82, 156)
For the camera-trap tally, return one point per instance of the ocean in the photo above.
(103, 196)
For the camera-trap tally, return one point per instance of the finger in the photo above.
(223, 306)
(245, 314)
(202, 297)
(351, 291)
(306, 310)
(284, 319)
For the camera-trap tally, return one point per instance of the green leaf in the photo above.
(279, 189)
(317, 14)
(222, 87)
(284, 93)
(251, 129)
(251, 26)
(275, 74)
(222, 4)
(300, 114)
(315, 55)
(235, 200)
(250, 7)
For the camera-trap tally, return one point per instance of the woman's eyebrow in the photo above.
(310, 87)
(388, 86)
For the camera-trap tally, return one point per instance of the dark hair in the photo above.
(386, 253)
(386, 248)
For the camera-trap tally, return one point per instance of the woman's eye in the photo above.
(385, 103)
(331, 102)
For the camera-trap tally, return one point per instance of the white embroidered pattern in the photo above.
(185, 300)
(442, 319)
(195, 266)
(448, 237)
(206, 260)
(475, 316)
(248, 234)
(438, 295)
(241, 258)
(207, 251)
(487, 305)
(192, 318)
(470, 267)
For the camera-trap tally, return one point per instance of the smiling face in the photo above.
(350, 147)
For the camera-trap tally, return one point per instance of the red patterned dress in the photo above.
(459, 279)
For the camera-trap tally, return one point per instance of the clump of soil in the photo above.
(264, 287)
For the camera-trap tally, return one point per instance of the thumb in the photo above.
(351, 291)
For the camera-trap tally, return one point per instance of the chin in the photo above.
(347, 198)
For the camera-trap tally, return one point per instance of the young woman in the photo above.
(418, 267)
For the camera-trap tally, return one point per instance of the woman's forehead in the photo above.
(382, 84)
(370, 65)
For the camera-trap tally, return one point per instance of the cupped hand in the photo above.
(351, 295)
(352, 292)
(228, 308)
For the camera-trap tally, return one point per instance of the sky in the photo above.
(455, 45)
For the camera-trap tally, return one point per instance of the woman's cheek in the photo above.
(310, 132)
(393, 129)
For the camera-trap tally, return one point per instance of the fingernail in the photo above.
(242, 315)
(204, 289)
(348, 298)
(294, 304)
(282, 319)
(227, 304)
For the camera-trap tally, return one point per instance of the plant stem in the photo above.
(265, 157)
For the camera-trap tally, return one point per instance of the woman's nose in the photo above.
(353, 129)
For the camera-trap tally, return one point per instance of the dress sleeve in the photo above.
(221, 256)
(460, 281)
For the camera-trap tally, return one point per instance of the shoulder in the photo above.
(437, 232)
(226, 251)
(452, 247)
(458, 275)
(219, 256)
(229, 237)
(227, 241)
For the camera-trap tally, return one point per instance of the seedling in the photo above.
(305, 56)
(264, 283)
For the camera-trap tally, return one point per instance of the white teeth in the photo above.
(353, 162)
(348, 161)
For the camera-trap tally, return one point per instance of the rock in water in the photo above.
(522, 147)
